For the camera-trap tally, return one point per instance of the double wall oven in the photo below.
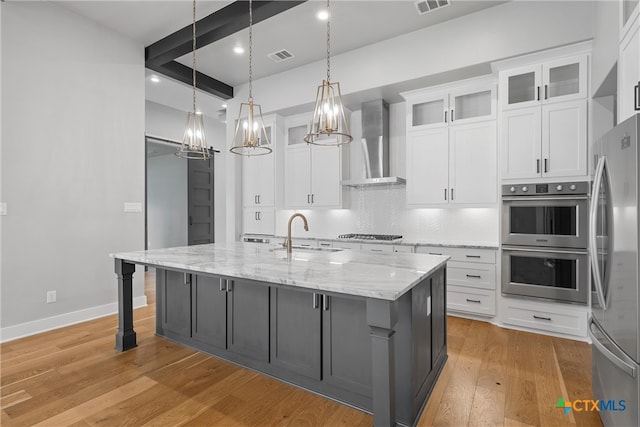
(544, 241)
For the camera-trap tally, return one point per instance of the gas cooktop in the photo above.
(370, 236)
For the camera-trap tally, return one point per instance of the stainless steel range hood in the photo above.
(375, 146)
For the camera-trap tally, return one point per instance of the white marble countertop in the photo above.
(383, 276)
(399, 242)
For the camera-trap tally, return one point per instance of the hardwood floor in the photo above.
(73, 376)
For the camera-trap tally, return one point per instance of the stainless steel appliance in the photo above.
(360, 236)
(614, 324)
(549, 273)
(553, 215)
(544, 238)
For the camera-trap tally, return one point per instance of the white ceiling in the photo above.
(354, 24)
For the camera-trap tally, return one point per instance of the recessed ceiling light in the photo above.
(155, 79)
(322, 15)
(199, 112)
(224, 105)
(238, 49)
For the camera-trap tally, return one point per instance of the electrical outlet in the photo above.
(51, 297)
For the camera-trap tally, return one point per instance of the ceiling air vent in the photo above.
(281, 55)
(425, 6)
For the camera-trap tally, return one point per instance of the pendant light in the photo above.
(194, 145)
(250, 137)
(329, 125)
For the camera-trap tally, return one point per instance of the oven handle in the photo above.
(545, 250)
(593, 246)
(532, 198)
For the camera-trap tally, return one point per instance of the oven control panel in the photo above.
(534, 189)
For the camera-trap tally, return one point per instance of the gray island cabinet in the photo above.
(368, 330)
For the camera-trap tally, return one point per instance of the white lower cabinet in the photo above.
(259, 221)
(469, 300)
(471, 279)
(549, 317)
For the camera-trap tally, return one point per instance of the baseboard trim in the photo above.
(26, 329)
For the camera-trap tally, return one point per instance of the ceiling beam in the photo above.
(160, 55)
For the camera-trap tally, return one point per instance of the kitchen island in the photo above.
(368, 330)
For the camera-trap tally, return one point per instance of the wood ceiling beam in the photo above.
(160, 56)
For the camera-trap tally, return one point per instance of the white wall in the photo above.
(72, 154)
(605, 41)
(167, 209)
(169, 123)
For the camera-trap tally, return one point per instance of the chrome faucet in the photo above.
(287, 243)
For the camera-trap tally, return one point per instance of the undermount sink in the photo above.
(307, 248)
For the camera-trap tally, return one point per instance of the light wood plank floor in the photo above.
(73, 376)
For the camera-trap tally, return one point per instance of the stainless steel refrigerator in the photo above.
(614, 324)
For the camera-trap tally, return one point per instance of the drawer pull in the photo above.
(325, 244)
(376, 250)
(542, 318)
(434, 253)
(472, 256)
(477, 301)
(474, 276)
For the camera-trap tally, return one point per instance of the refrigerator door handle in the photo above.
(593, 247)
(627, 368)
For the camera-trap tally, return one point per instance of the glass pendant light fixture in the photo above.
(250, 137)
(329, 125)
(194, 145)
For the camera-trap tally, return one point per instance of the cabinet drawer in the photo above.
(403, 249)
(472, 255)
(348, 245)
(471, 300)
(472, 275)
(376, 247)
(486, 256)
(557, 320)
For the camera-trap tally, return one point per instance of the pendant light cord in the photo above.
(194, 56)
(250, 50)
(328, 42)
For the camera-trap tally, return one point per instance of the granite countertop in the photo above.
(383, 276)
(400, 242)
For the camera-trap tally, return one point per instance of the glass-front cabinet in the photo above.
(554, 81)
(433, 107)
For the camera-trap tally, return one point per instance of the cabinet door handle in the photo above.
(546, 165)
(452, 115)
(445, 194)
(445, 116)
(636, 97)
(315, 301)
(538, 91)
(308, 199)
(259, 199)
(546, 91)
(452, 194)
(474, 276)
(537, 165)
(222, 285)
(312, 198)
(477, 301)
(325, 302)
(472, 256)
(259, 219)
(229, 286)
(541, 318)
(187, 279)
(255, 199)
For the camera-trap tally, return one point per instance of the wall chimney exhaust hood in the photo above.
(375, 146)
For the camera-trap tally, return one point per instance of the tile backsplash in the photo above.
(383, 210)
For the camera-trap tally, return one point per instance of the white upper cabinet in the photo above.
(544, 117)
(629, 72)
(559, 80)
(312, 173)
(258, 175)
(629, 11)
(464, 104)
(452, 161)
